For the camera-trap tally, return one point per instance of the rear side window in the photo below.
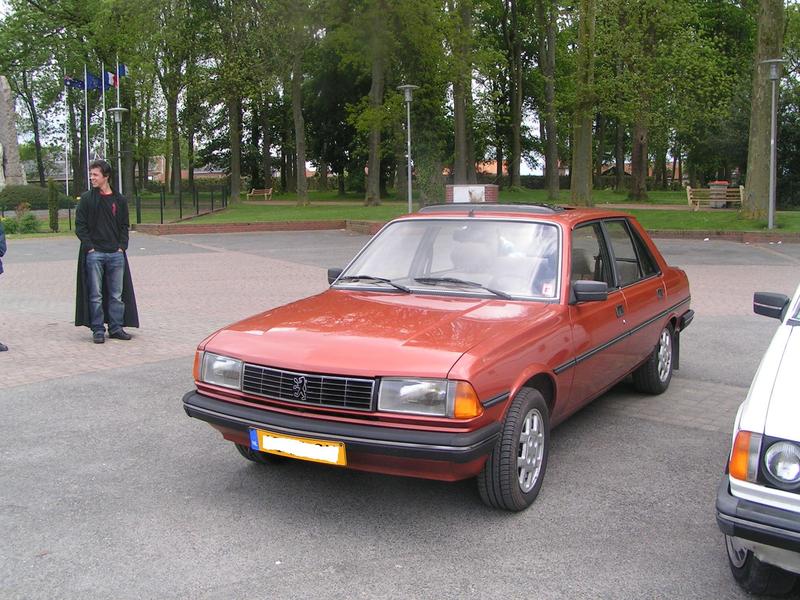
(632, 259)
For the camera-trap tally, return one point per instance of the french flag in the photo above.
(110, 80)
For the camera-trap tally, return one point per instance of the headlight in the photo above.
(433, 397)
(221, 370)
(782, 461)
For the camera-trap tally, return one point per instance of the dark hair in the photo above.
(104, 167)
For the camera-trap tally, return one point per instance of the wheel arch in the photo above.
(542, 381)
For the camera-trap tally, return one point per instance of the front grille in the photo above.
(308, 388)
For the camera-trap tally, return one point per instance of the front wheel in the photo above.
(755, 576)
(654, 375)
(513, 474)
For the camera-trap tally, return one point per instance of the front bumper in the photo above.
(397, 448)
(756, 522)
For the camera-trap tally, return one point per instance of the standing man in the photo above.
(104, 292)
(3, 347)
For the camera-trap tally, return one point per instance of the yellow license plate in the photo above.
(321, 451)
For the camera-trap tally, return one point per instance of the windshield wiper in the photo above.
(402, 288)
(464, 282)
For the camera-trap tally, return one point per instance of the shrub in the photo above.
(36, 197)
(10, 225)
(52, 204)
(28, 223)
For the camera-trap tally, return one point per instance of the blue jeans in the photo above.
(109, 266)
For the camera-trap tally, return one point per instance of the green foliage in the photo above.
(37, 198)
(52, 205)
(26, 223)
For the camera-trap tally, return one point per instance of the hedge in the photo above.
(37, 197)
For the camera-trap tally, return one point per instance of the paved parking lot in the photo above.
(107, 490)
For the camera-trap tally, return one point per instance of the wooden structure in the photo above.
(715, 197)
(263, 193)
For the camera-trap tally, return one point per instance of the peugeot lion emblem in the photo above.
(299, 388)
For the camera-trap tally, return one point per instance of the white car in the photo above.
(758, 500)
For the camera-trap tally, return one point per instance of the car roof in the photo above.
(568, 215)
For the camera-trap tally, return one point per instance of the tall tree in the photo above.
(581, 170)
(769, 44)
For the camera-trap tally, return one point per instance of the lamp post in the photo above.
(774, 76)
(116, 114)
(407, 91)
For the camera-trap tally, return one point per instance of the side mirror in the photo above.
(333, 274)
(589, 291)
(770, 305)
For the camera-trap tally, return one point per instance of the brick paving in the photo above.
(186, 288)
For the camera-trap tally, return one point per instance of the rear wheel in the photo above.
(513, 474)
(654, 375)
(261, 458)
(755, 576)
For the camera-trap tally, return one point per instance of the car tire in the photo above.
(255, 456)
(654, 375)
(513, 474)
(755, 576)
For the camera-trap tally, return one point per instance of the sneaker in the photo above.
(98, 337)
(120, 334)
(3, 347)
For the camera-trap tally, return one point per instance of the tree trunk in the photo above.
(174, 155)
(266, 141)
(75, 148)
(400, 149)
(769, 42)
(373, 195)
(546, 15)
(340, 182)
(322, 175)
(638, 189)
(472, 174)
(513, 43)
(299, 129)
(601, 150)
(619, 157)
(462, 88)
(235, 138)
(581, 172)
(27, 95)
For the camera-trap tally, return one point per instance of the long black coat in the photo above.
(85, 222)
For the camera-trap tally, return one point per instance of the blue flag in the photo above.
(122, 70)
(73, 83)
(94, 83)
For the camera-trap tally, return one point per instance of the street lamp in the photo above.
(407, 91)
(116, 114)
(774, 75)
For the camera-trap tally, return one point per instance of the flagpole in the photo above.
(103, 89)
(119, 139)
(86, 120)
(66, 137)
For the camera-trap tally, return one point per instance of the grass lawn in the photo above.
(330, 206)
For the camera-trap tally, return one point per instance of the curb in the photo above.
(372, 227)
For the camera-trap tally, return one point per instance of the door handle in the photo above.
(660, 292)
(620, 310)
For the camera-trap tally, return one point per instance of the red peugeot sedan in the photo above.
(450, 346)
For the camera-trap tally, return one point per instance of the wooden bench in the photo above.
(264, 193)
(709, 197)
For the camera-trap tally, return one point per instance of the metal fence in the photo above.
(163, 207)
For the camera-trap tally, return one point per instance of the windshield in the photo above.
(473, 256)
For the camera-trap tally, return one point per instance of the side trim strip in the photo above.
(496, 400)
(589, 353)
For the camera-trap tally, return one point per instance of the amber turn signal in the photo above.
(743, 464)
(466, 404)
(198, 356)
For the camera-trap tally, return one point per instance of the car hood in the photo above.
(371, 334)
(783, 413)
